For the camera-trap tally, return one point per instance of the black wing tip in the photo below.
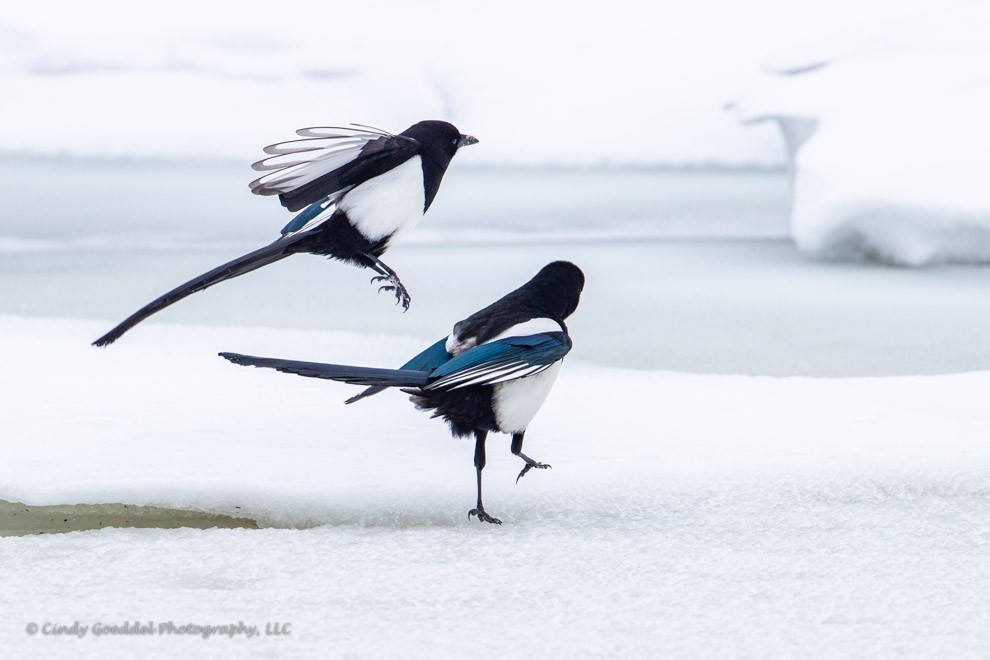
(237, 358)
(107, 339)
(290, 203)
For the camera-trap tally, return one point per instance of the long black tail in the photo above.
(339, 372)
(251, 261)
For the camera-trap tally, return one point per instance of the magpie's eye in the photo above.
(454, 141)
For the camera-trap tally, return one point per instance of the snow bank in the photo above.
(887, 140)
(161, 421)
(554, 82)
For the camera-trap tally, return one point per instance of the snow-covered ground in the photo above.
(685, 515)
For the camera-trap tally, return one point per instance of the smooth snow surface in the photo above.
(704, 515)
(887, 139)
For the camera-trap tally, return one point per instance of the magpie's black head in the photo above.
(557, 287)
(439, 138)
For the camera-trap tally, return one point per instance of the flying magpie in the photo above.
(359, 189)
(492, 373)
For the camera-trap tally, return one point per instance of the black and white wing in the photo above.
(328, 161)
(500, 361)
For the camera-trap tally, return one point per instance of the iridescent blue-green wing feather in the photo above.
(501, 360)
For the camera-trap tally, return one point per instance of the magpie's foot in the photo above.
(483, 517)
(395, 286)
(530, 465)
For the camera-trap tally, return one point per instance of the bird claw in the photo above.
(530, 466)
(483, 517)
(395, 287)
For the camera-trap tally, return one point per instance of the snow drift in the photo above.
(555, 82)
(886, 137)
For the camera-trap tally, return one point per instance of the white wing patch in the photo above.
(530, 327)
(455, 345)
(488, 375)
(389, 204)
(298, 162)
(295, 170)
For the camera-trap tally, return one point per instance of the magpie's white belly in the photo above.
(388, 205)
(517, 401)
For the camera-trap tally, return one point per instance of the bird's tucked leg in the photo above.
(517, 440)
(479, 465)
(392, 283)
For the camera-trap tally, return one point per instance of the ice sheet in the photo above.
(746, 307)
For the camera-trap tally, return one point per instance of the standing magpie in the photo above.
(359, 189)
(492, 373)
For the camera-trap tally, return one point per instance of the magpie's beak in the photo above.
(466, 140)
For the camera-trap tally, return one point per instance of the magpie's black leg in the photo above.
(517, 440)
(479, 465)
(386, 274)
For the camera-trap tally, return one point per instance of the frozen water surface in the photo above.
(161, 203)
(753, 307)
(657, 297)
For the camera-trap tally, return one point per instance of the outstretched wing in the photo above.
(328, 161)
(501, 360)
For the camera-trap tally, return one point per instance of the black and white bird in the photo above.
(359, 190)
(491, 374)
